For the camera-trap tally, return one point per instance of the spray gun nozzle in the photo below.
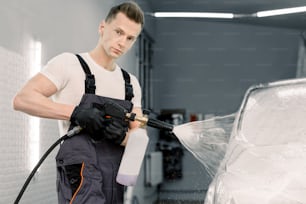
(116, 110)
(145, 120)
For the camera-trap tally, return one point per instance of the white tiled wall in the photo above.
(20, 22)
(14, 139)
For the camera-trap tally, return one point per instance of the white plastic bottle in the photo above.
(133, 155)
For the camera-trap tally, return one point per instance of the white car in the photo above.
(265, 159)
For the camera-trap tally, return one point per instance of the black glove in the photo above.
(116, 130)
(98, 126)
(91, 119)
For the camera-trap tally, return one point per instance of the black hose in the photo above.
(72, 132)
(151, 122)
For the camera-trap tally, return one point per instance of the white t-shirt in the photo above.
(66, 73)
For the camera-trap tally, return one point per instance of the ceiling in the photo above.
(294, 21)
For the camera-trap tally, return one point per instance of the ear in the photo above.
(101, 27)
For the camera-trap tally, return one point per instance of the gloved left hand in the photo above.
(116, 130)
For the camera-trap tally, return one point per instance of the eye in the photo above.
(118, 32)
(130, 39)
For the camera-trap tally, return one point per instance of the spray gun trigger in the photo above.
(131, 116)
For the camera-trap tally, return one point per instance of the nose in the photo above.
(122, 41)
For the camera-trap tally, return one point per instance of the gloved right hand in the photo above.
(116, 131)
(90, 119)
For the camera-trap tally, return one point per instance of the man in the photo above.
(87, 164)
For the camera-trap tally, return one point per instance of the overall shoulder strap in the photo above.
(128, 86)
(90, 83)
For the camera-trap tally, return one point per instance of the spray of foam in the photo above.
(207, 140)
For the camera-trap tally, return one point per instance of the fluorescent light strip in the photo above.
(192, 15)
(33, 141)
(228, 15)
(281, 11)
(34, 122)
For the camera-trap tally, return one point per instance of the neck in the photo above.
(102, 59)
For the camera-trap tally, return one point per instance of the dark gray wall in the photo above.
(207, 67)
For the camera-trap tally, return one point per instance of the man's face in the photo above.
(118, 35)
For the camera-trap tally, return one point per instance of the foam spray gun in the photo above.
(117, 111)
(128, 171)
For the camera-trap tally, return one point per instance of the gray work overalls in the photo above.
(87, 168)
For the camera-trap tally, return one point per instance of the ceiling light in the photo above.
(192, 15)
(281, 11)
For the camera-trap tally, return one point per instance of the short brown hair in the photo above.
(130, 9)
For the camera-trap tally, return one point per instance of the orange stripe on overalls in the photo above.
(78, 189)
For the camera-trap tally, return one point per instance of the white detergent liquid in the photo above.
(132, 158)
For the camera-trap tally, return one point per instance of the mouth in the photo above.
(117, 51)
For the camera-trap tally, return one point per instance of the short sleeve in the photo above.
(136, 100)
(57, 71)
